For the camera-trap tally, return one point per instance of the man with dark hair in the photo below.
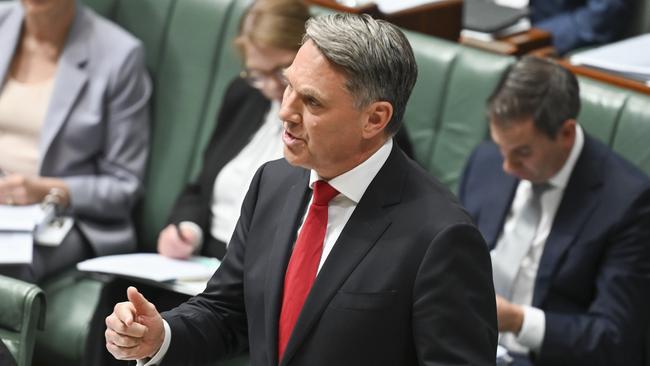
(384, 268)
(568, 224)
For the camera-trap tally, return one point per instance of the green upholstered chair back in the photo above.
(227, 66)
(191, 59)
(618, 117)
(22, 312)
(183, 80)
(445, 117)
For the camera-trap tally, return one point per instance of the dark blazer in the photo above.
(593, 280)
(407, 283)
(578, 23)
(242, 113)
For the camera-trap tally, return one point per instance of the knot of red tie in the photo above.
(323, 193)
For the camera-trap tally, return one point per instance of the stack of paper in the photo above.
(485, 20)
(629, 58)
(17, 225)
(387, 6)
(152, 267)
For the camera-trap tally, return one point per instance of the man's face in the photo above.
(529, 153)
(324, 130)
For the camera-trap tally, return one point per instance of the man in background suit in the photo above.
(579, 23)
(390, 271)
(573, 284)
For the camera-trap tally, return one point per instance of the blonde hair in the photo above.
(273, 23)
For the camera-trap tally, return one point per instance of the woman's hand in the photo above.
(18, 189)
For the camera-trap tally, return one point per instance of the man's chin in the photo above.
(294, 159)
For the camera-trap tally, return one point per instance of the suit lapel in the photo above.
(9, 35)
(70, 79)
(578, 202)
(279, 258)
(364, 228)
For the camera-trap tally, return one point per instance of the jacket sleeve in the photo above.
(114, 189)
(613, 330)
(595, 22)
(454, 307)
(213, 325)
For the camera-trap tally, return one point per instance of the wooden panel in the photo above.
(606, 77)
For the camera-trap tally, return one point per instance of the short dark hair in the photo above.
(536, 88)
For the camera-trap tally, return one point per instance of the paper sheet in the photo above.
(153, 267)
(16, 247)
(629, 56)
(20, 218)
(393, 6)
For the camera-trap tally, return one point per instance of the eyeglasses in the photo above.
(258, 78)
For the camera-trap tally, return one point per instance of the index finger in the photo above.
(125, 312)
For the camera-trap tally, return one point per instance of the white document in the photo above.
(20, 218)
(394, 6)
(630, 57)
(16, 247)
(152, 266)
(16, 226)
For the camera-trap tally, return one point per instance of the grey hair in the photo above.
(539, 89)
(375, 55)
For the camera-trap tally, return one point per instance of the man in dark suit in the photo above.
(384, 268)
(580, 23)
(568, 223)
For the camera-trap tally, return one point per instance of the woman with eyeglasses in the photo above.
(247, 132)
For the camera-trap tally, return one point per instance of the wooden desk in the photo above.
(606, 77)
(440, 19)
(534, 40)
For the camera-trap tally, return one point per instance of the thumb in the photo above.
(140, 303)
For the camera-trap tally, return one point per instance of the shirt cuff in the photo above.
(158, 357)
(532, 329)
(198, 234)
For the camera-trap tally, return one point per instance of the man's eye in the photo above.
(313, 102)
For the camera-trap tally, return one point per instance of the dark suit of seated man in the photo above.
(568, 222)
(384, 268)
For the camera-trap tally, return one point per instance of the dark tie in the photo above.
(508, 255)
(303, 265)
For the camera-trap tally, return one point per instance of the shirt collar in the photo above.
(353, 183)
(561, 178)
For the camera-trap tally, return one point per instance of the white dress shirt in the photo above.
(351, 186)
(532, 331)
(232, 181)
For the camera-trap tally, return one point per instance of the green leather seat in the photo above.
(22, 312)
(445, 116)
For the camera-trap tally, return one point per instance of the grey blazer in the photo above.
(96, 131)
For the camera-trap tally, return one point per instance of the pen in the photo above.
(180, 233)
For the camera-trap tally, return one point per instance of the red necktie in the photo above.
(303, 265)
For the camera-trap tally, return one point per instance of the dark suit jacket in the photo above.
(242, 113)
(407, 283)
(578, 23)
(593, 280)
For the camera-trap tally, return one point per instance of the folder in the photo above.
(488, 17)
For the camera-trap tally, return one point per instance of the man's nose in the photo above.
(288, 111)
(509, 165)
